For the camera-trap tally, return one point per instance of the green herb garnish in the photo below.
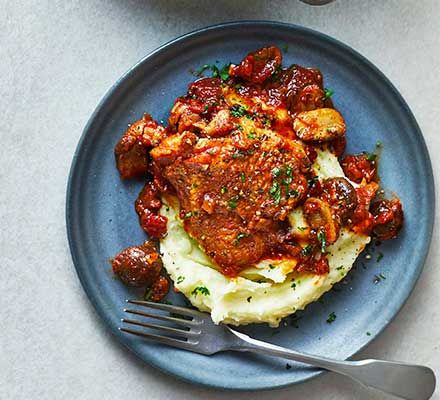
(249, 299)
(238, 110)
(180, 279)
(371, 156)
(223, 189)
(240, 236)
(200, 290)
(331, 318)
(321, 239)
(276, 171)
(232, 203)
(311, 181)
(379, 257)
(222, 73)
(306, 251)
(275, 192)
(327, 94)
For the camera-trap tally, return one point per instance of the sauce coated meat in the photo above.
(237, 155)
(138, 265)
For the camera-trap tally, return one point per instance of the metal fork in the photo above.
(194, 331)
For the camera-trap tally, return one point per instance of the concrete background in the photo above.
(58, 58)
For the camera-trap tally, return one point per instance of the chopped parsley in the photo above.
(378, 278)
(249, 299)
(307, 251)
(288, 366)
(189, 214)
(242, 177)
(201, 290)
(371, 156)
(294, 193)
(311, 181)
(266, 120)
(223, 189)
(238, 110)
(251, 135)
(240, 236)
(321, 238)
(222, 73)
(271, 266)
(331, 318)
(180, 279)
(275, 192)
(285, 48)
(378, 143)
(328, 93)
(293, 285)
(232, 203)
(379, 256)
(301, 228)
(368, 333)
(276, 171)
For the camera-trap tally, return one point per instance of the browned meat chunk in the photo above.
(259, 65)
(235, 192)
(388, 218)
(138, 265)
(159, 289)
(131, 151)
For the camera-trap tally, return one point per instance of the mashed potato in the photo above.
(264, 293)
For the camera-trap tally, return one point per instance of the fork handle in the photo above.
(407, 381)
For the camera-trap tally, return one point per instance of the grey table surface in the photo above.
(57, 60)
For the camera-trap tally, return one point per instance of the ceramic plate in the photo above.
(101, 219)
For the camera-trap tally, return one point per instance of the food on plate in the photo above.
(256, 209)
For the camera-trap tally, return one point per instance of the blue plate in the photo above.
(101, 219)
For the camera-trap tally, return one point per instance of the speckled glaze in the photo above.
(101, 219)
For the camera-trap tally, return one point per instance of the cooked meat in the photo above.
(237, 154)
(388, 218)
(147, 206)
(359, 166)
(131, 151)
(138, 265)
(159, 289)
(259, 65)
(341, 196)
(234, 192)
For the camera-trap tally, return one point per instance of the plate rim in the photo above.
(429, 178)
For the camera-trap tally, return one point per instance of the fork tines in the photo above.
(183, 338)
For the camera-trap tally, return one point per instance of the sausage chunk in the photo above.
(358, 167)
(388, 218)
(159, 289)
(138, 265)
(258, 66)
(131, 152)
